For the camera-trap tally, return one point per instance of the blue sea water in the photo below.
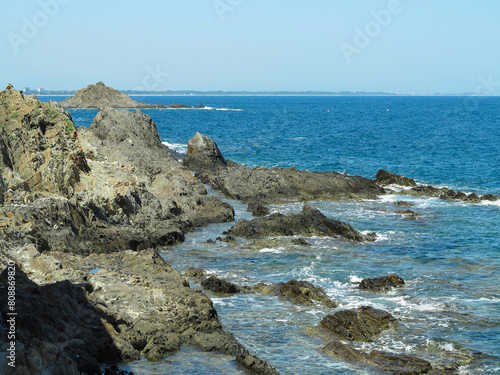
(449, 258)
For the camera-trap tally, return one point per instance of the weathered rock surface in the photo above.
(383, 283)
(298, 292)
(111, 307)
(388, 178)
(81, 210)
(361, 324)
(100, 95)
(310, 222)
(113, 186)
(266, 186)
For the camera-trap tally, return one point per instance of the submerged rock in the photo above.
(383, 283)
(298, 292)
(361, 324)
(310, 222)
(409, 215)
(382, 361)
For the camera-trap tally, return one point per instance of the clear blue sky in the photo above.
(422, 46)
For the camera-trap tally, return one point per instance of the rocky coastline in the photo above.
(83, 212)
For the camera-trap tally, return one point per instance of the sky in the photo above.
(400, 46)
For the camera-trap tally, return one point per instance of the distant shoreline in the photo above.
(335, 95)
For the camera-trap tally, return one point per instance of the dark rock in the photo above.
(357, 325)
(100, 95)
(300, 242)
(404, 204)
(382, 361)
(387, 178)
(298, 292)
(310, 222)
(383, 283)
(489, 197)
(217, 285)
(258, 209)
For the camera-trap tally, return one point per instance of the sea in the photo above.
(449, 256)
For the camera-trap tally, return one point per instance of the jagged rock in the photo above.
(100, 95)
(383, 283)
(124, 303)
(387, 178)
(310, 222)
(357, 325)
(217, 285)
(382, 361)
(258, 209)
(297, 291)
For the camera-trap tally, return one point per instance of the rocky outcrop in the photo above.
(383, 283)
(100, 95)
(297, 291)
(388, 178)
(111, 307)
(310, 222)
(267, 186)
(113, 186)
(82, 211)
(409, 214)
(361, 324)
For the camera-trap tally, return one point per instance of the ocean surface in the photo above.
(449, 258)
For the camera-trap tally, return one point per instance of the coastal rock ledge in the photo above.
(82, 212)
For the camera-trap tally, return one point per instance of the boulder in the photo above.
(204, 157)
(298, 292)
(383, 283)
(310, 222)
(388, 178)
(361, 324)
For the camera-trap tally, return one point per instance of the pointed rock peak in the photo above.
(100, 83)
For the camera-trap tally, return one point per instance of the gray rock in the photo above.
(310, 222)
(357, 325)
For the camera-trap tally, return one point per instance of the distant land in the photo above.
(42, 92)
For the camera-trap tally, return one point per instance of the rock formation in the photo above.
(383, 283)
(100, 95)
(82, 211)
(310, 222)
(263, 186)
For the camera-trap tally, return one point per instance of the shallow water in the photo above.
(449, 257)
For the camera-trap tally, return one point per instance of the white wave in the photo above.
(179, 147)
(491, 203)
(353, 279)
(220, 109)
(268, 250)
